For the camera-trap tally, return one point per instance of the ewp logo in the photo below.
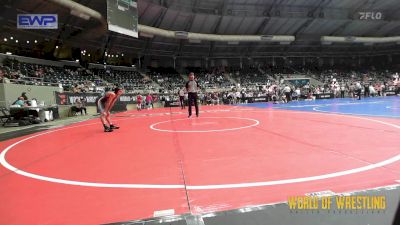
(37, 21)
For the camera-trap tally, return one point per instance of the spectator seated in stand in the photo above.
(79, 106)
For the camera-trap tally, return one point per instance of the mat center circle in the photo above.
(204, 124)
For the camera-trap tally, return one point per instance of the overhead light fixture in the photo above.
(116, 56)
(80, 14)
(27, 42)
(56, 46)
(195, 41)
(11, 38)
(77, 60)
(8, 53)
(267, 37)
(35, 41)
(89, 54)
(5, 39)
(181, 34)
(146, 35)
(16, 41)
(122, 54)
(350, 39)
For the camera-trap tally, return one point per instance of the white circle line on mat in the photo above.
(196, 187)
(153, 126)
(391, 107)
(317, 109)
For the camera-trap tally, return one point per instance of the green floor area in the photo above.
(18, 131)
(280, 214)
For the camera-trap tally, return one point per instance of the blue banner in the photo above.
(37, 21)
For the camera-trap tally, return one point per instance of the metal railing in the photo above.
(31, 81)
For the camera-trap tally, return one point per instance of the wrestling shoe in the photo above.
(114, 127)
(107, 129)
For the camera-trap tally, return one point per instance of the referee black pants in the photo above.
(182, 102)
(288, 98)
(192, 98)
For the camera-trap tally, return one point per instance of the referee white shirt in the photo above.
(191, 86)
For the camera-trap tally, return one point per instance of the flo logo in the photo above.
(63, 99)
(370, 15)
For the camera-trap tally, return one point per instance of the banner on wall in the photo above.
(68, 98)
(299, 82)
(324, 96)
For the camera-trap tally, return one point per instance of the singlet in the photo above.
(104, 98)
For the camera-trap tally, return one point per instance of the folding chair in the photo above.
(5, 116)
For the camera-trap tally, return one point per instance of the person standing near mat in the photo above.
(105, 104)
(358, 88)
(287, 91)
(182, 98)
(192, 88)
(139, 100)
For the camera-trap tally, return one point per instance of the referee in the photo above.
(192, 88)
(358, 90)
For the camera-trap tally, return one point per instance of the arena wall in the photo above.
(10, 92)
